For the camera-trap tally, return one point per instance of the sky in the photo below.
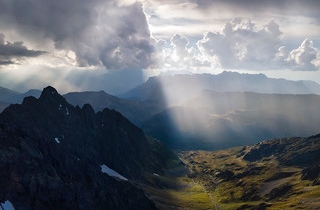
(74, 44)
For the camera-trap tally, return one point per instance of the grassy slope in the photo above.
(223, 180)
(253, 183)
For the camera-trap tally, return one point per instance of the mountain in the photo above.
(7, 94)
(135, 111)
(33, 92)
(172, 90)
(57, 156)
(274, 174)
(8, 97)
(3, 105)
(218, 120)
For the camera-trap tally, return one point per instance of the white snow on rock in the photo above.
(67, 111)
(7, 205)
(57, 140)
(111, 172)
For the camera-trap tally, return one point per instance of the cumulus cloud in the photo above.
(305, 57)
(11, 53)
(242, 44)
(100, 32)
(179, 55)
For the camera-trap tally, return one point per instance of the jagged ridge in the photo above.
(51, 154)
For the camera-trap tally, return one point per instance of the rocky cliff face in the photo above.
(51, 155)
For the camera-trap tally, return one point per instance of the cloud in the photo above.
(305, 57)
(99, 32)
(242, 44)
(308, 7)
(179, 55)
(10, 53)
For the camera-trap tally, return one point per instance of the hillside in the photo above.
(275, 174)
(57, 156)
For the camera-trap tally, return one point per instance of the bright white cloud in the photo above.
(179, 55)
(305, 57)
(242, 44)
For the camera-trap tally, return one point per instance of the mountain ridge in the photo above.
(52, 155)
(162, 86)
(217, 120)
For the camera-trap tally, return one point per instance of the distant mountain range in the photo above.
(207, 111)
(57, 156)
(173, 90)
(218, 120)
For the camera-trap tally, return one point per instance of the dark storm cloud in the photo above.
(100, 32)
(12, 51)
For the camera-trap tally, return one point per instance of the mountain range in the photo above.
(58, 156)
(173, 90)
(218, 120)
(204, 111)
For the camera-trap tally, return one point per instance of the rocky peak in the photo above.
(51, 155)
(50, 93)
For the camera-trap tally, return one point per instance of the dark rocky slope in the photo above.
(135, 111)
(51, 155)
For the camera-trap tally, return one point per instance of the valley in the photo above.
(207, 149)
(224, 179)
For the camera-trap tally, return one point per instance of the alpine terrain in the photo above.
(57, 156)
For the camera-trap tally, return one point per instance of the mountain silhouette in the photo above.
(57, 156)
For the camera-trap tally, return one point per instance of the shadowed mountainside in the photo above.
(216, 120)
(52, 154)
(135, 111)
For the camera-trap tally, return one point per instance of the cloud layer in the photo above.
(99, 32)
(242, 45)
(12, 53)
(115, 34)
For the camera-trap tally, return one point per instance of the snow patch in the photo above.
(57, 140)
(67, 111)
(7, 205)
(113, 173)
